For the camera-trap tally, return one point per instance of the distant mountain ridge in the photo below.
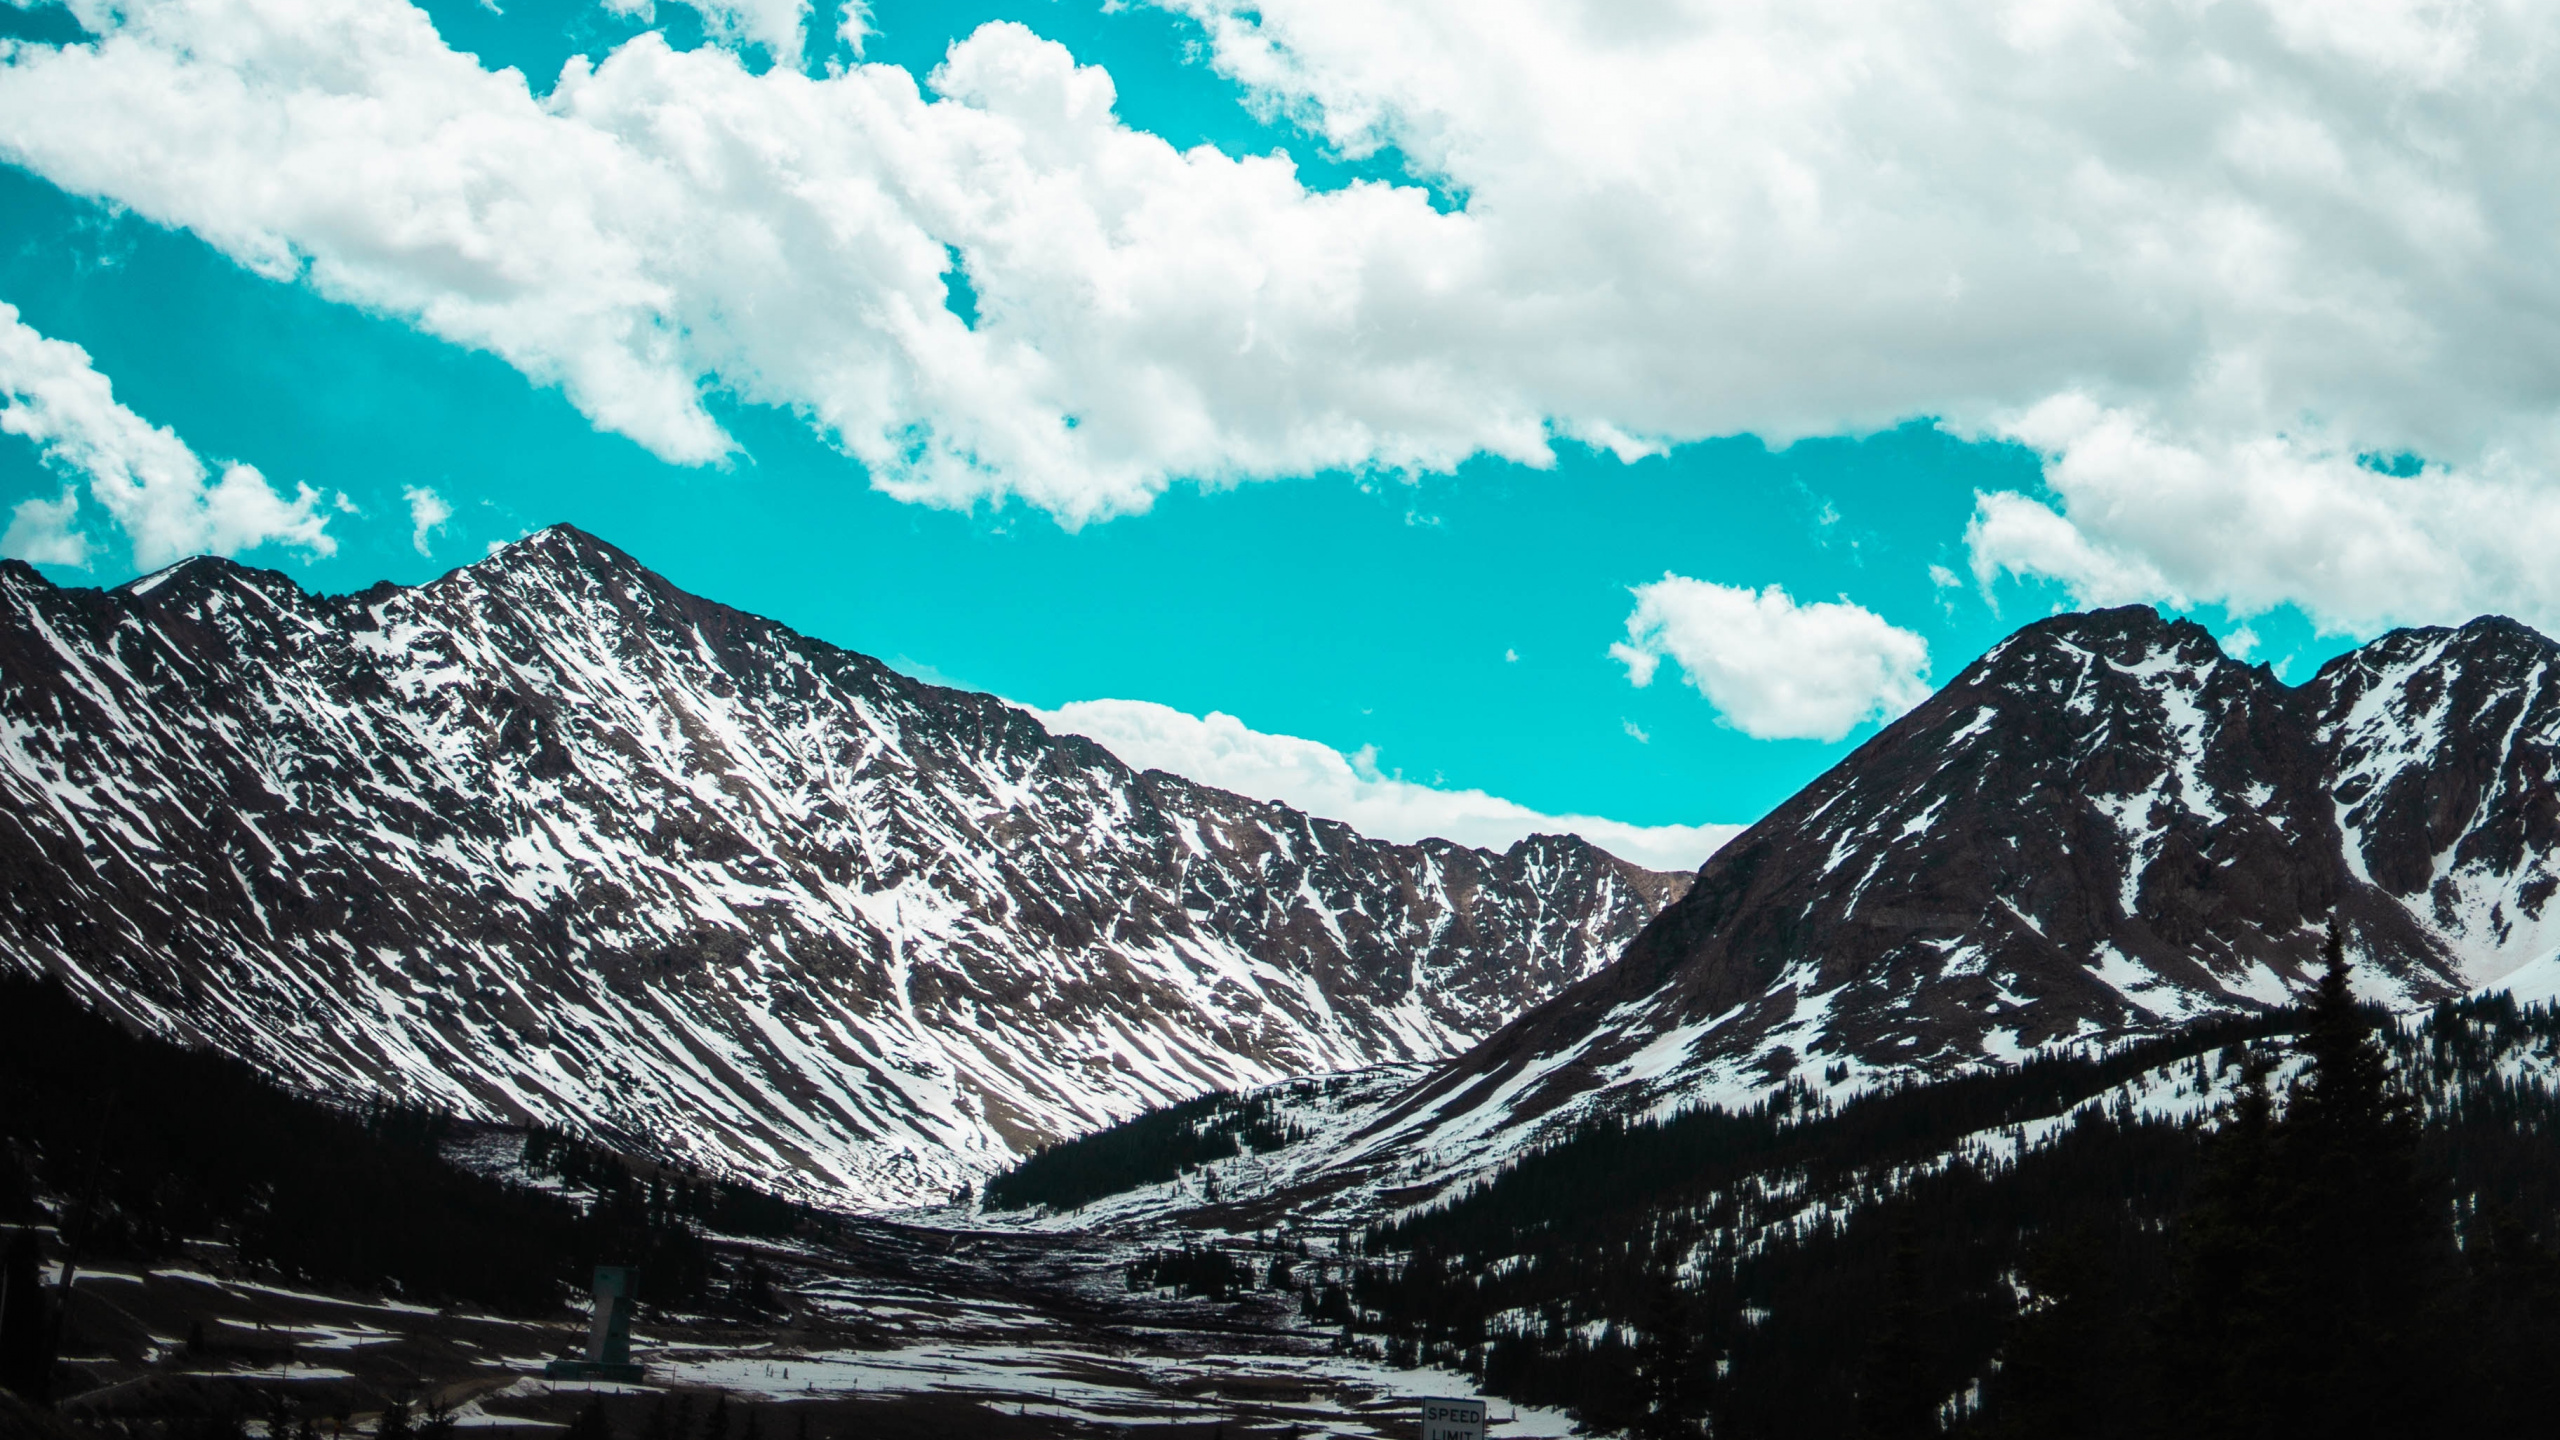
(549, 838)
(2102, 829)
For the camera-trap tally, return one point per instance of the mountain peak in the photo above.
(2097, 832)
(2123, 633)
(2501, 633)
(548, 838)
(561, 546)
(197, 585)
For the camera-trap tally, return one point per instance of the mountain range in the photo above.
(547, 839)
(2104, 829)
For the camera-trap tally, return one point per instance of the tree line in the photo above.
(130, 1147)
(1149, 1149)
(2362, 1245)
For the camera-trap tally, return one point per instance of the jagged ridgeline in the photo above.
(139, 1149)
(548, 840)
(2102, 830)
(1153, 1148)
(1915, 1262)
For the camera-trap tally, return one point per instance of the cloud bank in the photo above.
(1220, 750)
(1774, 669)
(168, 502)
(2253, 241)
(666, 222)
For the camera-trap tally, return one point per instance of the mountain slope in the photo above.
(548, 838)
(2102, 829)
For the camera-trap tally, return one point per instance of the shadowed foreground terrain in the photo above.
(245, 1261)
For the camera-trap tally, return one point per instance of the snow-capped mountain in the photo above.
(548, 838)
(2103, 828)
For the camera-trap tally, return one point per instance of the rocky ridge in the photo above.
(548, 839)
(2103, 829)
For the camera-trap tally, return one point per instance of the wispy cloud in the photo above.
(427, 515)
(1220, 750)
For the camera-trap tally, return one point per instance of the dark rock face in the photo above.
(548, 838)
(2103, 828)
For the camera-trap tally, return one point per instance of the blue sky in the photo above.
(1449, 592)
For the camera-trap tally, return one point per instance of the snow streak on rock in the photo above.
(548, 838)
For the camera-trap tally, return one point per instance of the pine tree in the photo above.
(591, 1423)
(394, 1424)
(1673, 1370)
(26, 1322)
(2513, 1313)
(2215, 1334)
(2065, 1368)
(2357, 1243)
(1896, 1400)
(2310, 1261)
(715, 1424)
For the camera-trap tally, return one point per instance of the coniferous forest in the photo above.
(2363, 1245)
(1150, 1149)
(153, 1145)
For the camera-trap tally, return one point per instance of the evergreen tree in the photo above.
(394, 1424)
(2513, 1316)
(2064, 1369)
(1896, 1400)
(715, 1423)
(1673, 1370)
(2310, 1258)
(438, 1423)
(2216, 1332)
(591, 1423)
(2357, 1243)
(26, 1322)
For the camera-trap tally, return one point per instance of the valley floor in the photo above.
(896, 1330)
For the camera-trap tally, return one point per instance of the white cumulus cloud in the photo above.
(428, 513)
(168, 502)
(1775, 669)
(666, 221)
(2139, 511)
(2258, 238)
(1221, 750)
(44, 532)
